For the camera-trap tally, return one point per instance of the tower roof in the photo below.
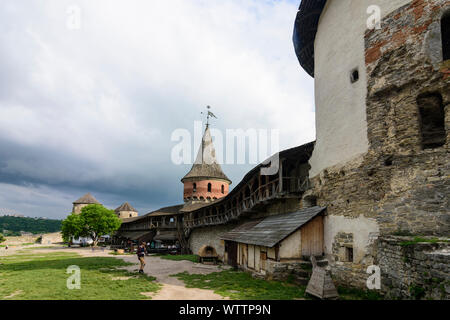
(205, 165)
(88, 198)
(305, 29)
(125, 207)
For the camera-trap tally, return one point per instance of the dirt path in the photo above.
(174, 289)
(161, 269)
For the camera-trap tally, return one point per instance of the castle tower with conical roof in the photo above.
(206, 180)
(85, 200)
(126, 210)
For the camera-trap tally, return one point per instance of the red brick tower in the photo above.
(206, 180)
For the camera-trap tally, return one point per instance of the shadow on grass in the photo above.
(44, 277)
(241, 285)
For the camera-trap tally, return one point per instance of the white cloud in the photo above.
(111, 93)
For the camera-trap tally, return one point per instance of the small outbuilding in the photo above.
(261, 244)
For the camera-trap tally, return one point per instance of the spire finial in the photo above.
(208, 115)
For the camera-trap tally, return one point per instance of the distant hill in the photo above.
(12, 226)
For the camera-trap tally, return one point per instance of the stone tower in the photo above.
(380, 163)
(206, 180)
(83, 201)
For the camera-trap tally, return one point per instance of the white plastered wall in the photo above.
(341, 126)
(364, 231)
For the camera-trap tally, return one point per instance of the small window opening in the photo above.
(223, 189)
(388, 161)
(354, 76)
(171, 220)
(310, 201)
(349, 254)
(195, 187)
(131, 215)
(432, 123)
(445, 34)
(209, 187)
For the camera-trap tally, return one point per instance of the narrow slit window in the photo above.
(223, 189)
(349, 254)
(195, 187)
(445, 34)
(209, 187)
(432, 120)
(354, 76)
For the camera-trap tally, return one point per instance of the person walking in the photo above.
(141, 255)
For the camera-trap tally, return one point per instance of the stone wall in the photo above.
(414, 270)
(209, 236)
(16, 240)
(397, 184)
(50, 238)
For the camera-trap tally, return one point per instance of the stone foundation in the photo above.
(414, 271)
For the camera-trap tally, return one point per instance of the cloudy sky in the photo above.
(90, 104)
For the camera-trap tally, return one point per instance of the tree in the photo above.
(72, 227)
(2, 238)
(94, 221)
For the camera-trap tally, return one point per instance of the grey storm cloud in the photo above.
(92, 109)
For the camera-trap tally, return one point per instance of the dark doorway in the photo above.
(445, 33)
(432, 123)
(232, 253)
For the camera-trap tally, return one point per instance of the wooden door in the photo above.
(257, 259)
(232, 253)
(312, 237)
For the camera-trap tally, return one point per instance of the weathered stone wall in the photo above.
(16, 240)
(209, 236)
(50, 238)
(414, 270)
(126, 214)
(397, 184)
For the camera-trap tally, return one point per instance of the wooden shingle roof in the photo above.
(273, 229)
(205, 165)
(88, 198)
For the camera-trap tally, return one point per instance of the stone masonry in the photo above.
(414, 270)
(398, 183)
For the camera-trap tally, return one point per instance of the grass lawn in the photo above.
(240, 285)
(179, 257)
(35, 276)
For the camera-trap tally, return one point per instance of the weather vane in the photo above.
(209, 114)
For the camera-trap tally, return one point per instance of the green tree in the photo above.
(2, 238)
(72, 226)
(94, 221)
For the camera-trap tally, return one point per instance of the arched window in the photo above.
(195, 187)
(223, 189)
(209, 187)
(445, 34)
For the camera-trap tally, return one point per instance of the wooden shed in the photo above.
(280, 238)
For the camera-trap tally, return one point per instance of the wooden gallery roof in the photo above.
(271, 230)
